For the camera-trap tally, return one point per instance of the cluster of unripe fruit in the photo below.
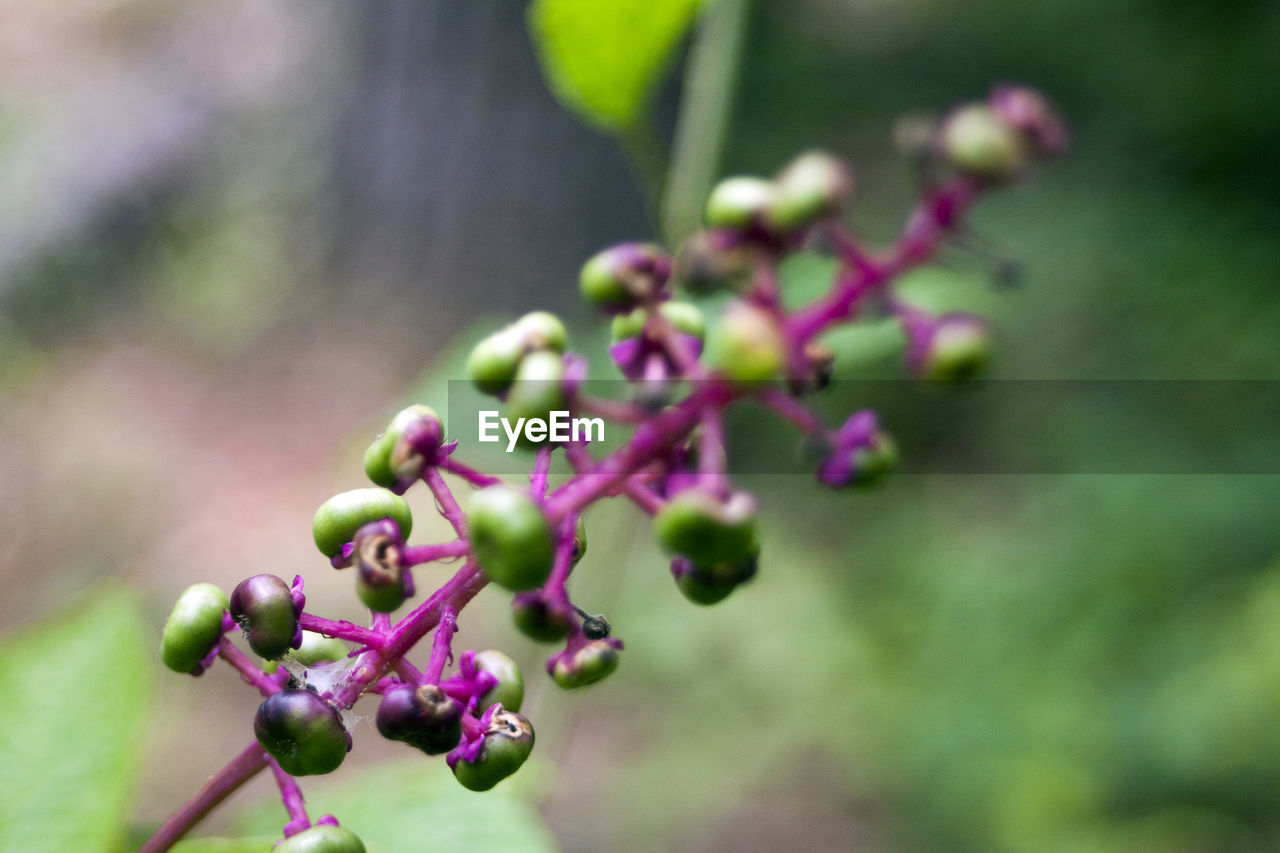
(528, 540)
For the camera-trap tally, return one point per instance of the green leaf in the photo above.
(603, 59)
(398, 805)
(76, 689)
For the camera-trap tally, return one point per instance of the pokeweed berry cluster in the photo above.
(683, 373)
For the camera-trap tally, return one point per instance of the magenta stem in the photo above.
(471, 475)
(239, 770)
(290, 795)
(554, 588)
(441, 645)
(538, 477)
(246, 667)
(343, 630)
(444, 498)
(416, 555)
(790, 409)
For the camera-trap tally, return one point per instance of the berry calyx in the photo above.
(706, 529)
(510, 537)
(422, 716)
(506, 743)
(338, 519)
(193, 627)
(322, 838)
(302, 732)
(264, 608)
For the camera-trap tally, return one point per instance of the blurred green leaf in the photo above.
(417, 805)
(76, 691)
(602, 60)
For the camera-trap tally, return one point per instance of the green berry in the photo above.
(738, 202)
(391, 459)
(510, 537)
(707, 584)
(542, 330)
(959, 349)
(704, 264)
(193, 627)
(620, 277)
(492, 364)
(746, 345)
(538, 619)
(537, 391)
(579, 541)
(812, 187)
(509, 691)
(587, 665)
(338, 518)
(322, 838)
(263, 608)
(977, 141)
(508, 740)
(302, 732)
(872, 464)
(685, 318)
(705, 529)
(318, 649)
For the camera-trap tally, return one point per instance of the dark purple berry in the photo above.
(421, 716)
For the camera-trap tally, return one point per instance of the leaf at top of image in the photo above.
(77, 690)
(602, 60)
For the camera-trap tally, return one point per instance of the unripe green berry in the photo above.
(705, 584)
(542, 330)
(263, 608)
(872, 464)
(492, 364)
(510, 537)
(620, 277)
(302, 732)
(976, 141)
(579, 541)
(318, 649)
(391, 460)
(193, 627)
(322, 838)
(746, 345)
(739, 202)
(958, 349)
(812, 187)
(705, 529)
(586, 665)
(683, 317)
(538, 619)
(508, 740)
(538, 390)
(509, 691)
(338, 519)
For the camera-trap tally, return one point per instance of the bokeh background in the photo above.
(236, 236)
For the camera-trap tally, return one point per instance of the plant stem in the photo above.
(241, 769)
(705, 109)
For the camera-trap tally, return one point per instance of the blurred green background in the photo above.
(236, 236)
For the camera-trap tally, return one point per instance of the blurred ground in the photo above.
(232, 236)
